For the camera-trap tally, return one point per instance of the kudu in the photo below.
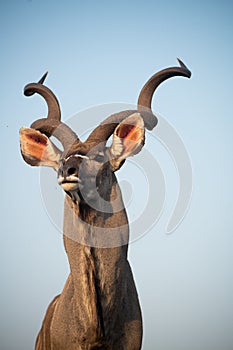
(98, 307)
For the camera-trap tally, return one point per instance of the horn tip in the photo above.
(182, 65)
(27, 89)
(41, 81)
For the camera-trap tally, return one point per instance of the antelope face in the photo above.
(84, 175)
(68, 173)
(86, 169)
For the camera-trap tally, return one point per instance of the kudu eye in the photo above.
(99, 158)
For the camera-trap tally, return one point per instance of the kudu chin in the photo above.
(98, 307)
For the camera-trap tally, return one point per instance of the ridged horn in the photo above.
(51, 125)
(147, 92)
(107, 127)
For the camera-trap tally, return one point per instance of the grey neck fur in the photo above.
(98, 308)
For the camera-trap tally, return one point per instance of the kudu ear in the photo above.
(37, 149)
(128, 139)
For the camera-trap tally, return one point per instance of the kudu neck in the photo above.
(100, 223)
(96, 246)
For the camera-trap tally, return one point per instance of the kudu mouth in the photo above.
(69, 183)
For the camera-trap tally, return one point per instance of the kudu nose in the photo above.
(71, 171)
(67, 171)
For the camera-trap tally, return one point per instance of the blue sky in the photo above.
(99, 53)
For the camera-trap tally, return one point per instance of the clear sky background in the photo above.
(100, 52)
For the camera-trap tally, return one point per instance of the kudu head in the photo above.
(85, 169)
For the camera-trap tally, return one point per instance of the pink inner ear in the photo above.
(39, 139)
(129, 133)
(33, 145)
(124, 130)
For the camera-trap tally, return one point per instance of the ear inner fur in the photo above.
(128, 137)
(37, 149)
(130, 132)
(131, 141)
(34, 144)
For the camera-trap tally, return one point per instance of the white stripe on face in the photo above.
(77, 156)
